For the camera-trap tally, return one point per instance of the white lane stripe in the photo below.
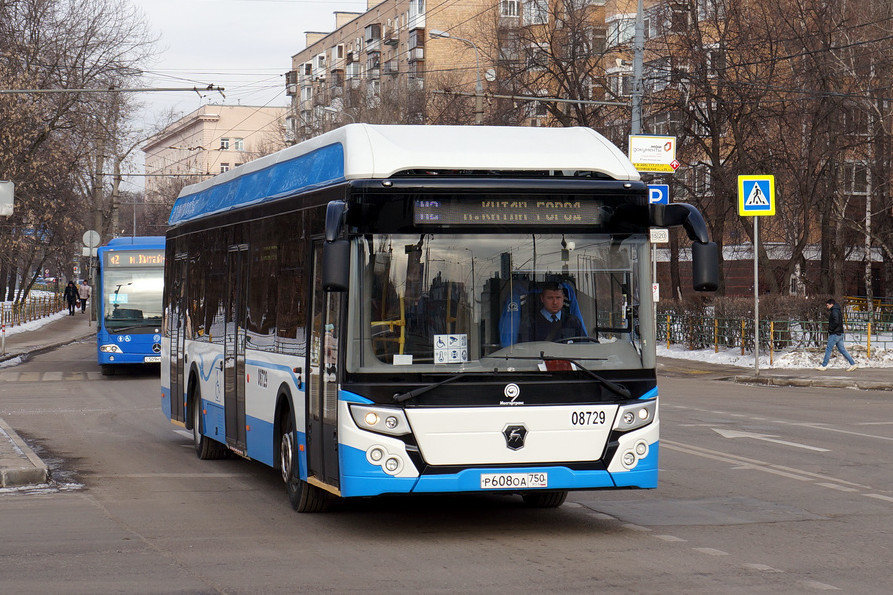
(874, 423)
(762, 568)
(671, 538)
(633, 527)
(818, 586)
(879, 497)
(52, 376)
(166, 475)
(834, 486)
(184, 433)
(727, 457)
(838, 430)
(710, 551)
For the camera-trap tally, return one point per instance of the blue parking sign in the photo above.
(658, 194)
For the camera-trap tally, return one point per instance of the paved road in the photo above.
(763, 489)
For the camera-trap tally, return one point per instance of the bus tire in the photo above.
(107, 369)
(205, 448)
(551, 499)
(303, 496)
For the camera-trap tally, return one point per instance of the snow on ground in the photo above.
(792, 359)
(34, 324)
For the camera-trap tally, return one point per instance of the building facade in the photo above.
(211, 140)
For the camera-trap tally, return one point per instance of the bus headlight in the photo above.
(112, 348)
(630, 417)
(384, 420)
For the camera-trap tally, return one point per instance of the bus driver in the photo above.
(551, 322)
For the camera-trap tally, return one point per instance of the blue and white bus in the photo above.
(128, 296)
(418, 309)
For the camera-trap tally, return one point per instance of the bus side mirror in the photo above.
(335, 265)
(704, 266)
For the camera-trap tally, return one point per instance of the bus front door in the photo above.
(234, 346)
(322, 397)
(176, 325)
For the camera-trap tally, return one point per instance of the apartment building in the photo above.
(422, 61)
(209, 141)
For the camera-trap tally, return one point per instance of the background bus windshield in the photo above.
(132, 296)
(453, 302)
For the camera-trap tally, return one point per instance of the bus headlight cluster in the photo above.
(112, 348)
(384, 420)
(631, 458)
(630, 417)
(390, 464)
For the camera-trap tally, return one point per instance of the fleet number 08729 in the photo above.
(587, 418)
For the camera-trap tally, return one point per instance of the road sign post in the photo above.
(658, 194)
(91, 241)
(756, 198)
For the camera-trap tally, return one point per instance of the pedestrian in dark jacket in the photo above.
(835, 336)
(71, 297)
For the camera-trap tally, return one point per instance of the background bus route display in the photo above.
(135, 258)
(505, 211)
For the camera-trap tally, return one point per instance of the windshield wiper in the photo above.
(402, 397)
(121, 329)
(618, 389)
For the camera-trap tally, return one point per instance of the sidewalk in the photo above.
(19, 465)
(861, 378)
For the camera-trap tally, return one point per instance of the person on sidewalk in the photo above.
(71, 297)
(835, 336)
(84, 292)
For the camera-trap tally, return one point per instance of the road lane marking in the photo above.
(762, 568)
(818, 586)
(765, 438)
(761, 465)
(710, 551)
(879, 497)
(874, 423)
(633, 527)
(184, 433)
(52, 376)
(815, 426)
(670, 538)
(834, 486)
(166, 475)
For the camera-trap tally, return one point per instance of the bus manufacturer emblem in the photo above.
(514, 436)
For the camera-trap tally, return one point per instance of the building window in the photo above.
(239, 144)
(508, 8)
(224, 167)
(621, 29)
(224, 144)
(536, 12)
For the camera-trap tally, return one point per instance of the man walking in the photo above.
(835, 336)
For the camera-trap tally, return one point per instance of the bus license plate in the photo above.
(152, 359)
(499, 481)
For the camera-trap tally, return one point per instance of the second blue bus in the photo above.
(128, 298)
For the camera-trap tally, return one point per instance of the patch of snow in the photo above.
(782, 360)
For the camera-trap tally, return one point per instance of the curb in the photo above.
(26, 467)
(44, 349)
(823, 383)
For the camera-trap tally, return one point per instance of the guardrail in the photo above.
(775, 335)
(33, 308)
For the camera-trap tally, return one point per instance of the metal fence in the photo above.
(33, 308)
(701, 332)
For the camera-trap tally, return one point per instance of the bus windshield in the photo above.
(132, 297)
(453, 303)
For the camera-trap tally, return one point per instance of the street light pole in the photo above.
(478, 87)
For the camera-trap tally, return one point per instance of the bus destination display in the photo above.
(135, 258)
(505, 211)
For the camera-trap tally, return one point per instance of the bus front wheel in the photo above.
(552, 499)
(303, 496)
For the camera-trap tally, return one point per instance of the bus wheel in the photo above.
(205, 448)
(107, 369)
(544, 499)
(303, 496)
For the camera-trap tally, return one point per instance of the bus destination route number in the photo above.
(508, 211)
(499, 481)
(133, 258)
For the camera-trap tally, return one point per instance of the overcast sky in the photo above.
(244, 46)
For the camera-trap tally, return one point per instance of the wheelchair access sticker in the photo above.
(450, 349)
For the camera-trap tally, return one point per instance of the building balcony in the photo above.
(390, 67)
(416, 54)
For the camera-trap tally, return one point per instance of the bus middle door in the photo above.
(322, 396)
(234, 346)
(176, 327)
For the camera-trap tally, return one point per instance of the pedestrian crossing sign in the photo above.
(756, 195)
